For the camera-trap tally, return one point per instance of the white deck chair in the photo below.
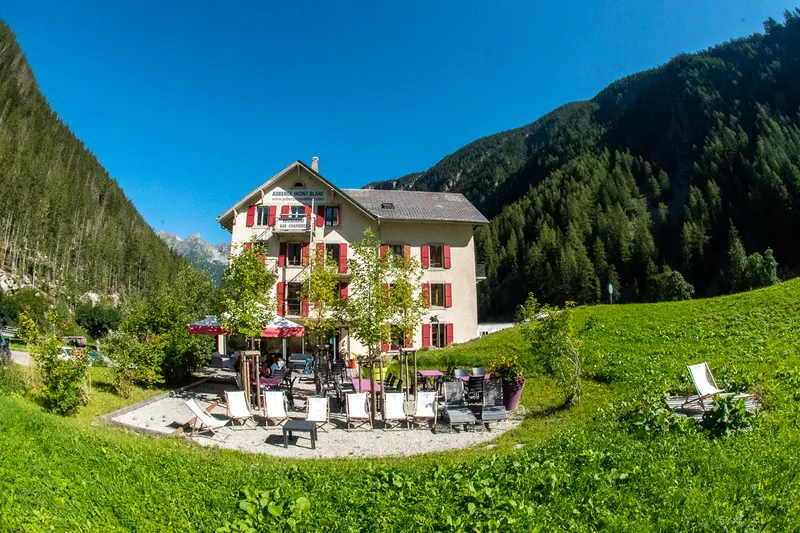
(236, 407)
(318, 409)
(394, 409)
(425, 408)
(276, 407)
(201, 416)
(704, 383)
(357, 410)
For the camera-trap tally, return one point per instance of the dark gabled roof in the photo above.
(416, 205)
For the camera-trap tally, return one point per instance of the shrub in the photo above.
(134, 361)
(11, 379)
(64, 381)
(728, 416)
(97, 320)
(268, 510)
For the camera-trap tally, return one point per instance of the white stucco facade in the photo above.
(248, 222)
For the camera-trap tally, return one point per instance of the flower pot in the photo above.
(512, 392)
(353, 364)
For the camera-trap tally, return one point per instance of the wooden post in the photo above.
(383, 390)
(258, 379)
(415, 371)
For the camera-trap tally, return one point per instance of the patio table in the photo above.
(466, 378)
(428, 376)
(364, 385)
(268, 383)
(299, 425)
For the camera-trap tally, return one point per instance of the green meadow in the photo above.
(594, 466)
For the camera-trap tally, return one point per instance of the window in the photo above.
(332, 215)
(262, 215)
(294, 254)
(293, 302)
(332, 252)
(437, 256)
(297, 211)
(298, 185)
(437, 294)
(397, 250)
(439, 334)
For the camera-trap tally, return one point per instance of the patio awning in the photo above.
(282, 328)
(208, 326)
(279, 328)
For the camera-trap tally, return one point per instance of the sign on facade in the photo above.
(297, 196)
(291, 224)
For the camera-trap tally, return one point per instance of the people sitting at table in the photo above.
(277, 364)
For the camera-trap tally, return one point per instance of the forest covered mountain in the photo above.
(64, 221)
(658, 184)
(207, 257)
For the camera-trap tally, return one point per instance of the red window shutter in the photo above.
(409, 339)
(449, 334)
(248, 246)
(426, 294)
(282, 254)
(384, 250)
(425, 252)
(308, 213)
(321, 253)
(345, 286)
(426, 335)
(284, 211)
(320, 216)
(448, 295)
(251, 216)
(305, 254)
(281, 302)
(304, 308)
(343, 258)
(446, 254)
(273, 209)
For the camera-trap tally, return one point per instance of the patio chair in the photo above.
(279, 374)
(318, 409)
(459, 373)
(394, 410)
(399, 386)
(425, 409)
(478, 371)
(276, 407)
(357, 410)
(236, 407)
(493, 409)
(455, 408)
(342, 389)
(704, 383)
(202, 417)
(475, 388)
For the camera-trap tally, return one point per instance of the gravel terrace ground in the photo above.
(165, 415)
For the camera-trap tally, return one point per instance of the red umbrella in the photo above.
(281, 328)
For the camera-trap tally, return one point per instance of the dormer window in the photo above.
(298, 185)
(387, 205)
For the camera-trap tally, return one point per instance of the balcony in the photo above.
(480, 272)
(291, 225)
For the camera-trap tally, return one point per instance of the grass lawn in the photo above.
(582, 468)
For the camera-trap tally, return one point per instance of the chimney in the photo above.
(315, 164)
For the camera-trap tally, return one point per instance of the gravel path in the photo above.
(167, 414)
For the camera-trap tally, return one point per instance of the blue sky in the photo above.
(190, 105)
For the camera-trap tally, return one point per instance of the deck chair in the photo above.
(425, 409)
(493, 409)
(236, 407)
(276, 406)
(358, 410)
(394, 410)
(478, 371)
(455, 408)
(704, 383)
(202, 417)
(318, 409)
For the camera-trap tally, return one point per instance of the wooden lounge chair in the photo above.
(202, 417)
(493, 409)
(236, 407)
(318, 409)
(357, 409)
(704, 383)
(455, 408)
(276, 407)
(394, 410)
(425, 409)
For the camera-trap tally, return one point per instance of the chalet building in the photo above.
(297, 212)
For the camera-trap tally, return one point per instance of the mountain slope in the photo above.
(654, 185)
(63, 220)
(207, 257)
